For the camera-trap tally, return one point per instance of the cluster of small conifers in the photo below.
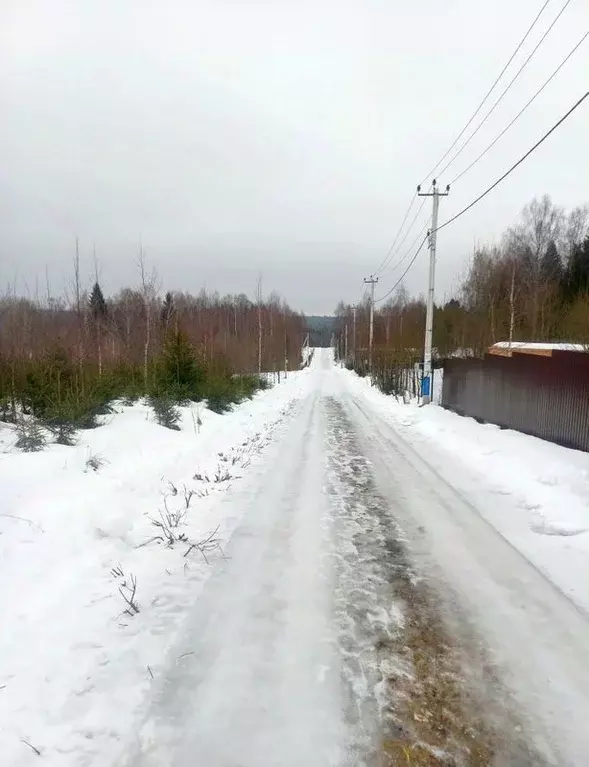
(60, 395)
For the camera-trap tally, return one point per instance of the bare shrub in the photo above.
(94, 462)
(127, 589)
(168, 523)
(222, 475)
(207, 545)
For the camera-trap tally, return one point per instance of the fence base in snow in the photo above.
(547, 397)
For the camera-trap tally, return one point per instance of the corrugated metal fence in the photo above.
(544, 396)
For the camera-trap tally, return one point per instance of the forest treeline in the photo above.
(63, 359)
(532, 286)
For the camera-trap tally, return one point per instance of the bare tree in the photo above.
(542, 222)
(78, 310)
(149, 294)
(576, 228)
(259, 302)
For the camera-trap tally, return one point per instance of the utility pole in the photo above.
(346, 343)
(372, 282)
(354, 338)
(426, 387)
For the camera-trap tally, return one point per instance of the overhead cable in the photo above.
(516, 164)
(511, 82)
(390, 250)
(556, 125)
(486, 96)
(392, 253)
(401, 278)
(522, 110)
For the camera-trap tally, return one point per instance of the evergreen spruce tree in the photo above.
(167, 310)
(181, 371)
(551, 264)
(98, 308)
(165, 412)
(576, 280)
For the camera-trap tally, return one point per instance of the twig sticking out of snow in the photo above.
(94, 462)
(188, 495)
(128, 591)
(169, 522)
(148, 541)
(23, 519)
(128, 594)
(208, 544)
(30, 745)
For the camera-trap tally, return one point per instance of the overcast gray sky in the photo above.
(284, 137)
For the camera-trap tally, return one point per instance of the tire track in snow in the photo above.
(404, 698)
(458, 701)
(366, 612)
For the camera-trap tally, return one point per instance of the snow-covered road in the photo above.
(281, 656)
(373, 607)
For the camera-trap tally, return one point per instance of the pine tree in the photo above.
(98, 308)
(181, 371)
(551, 264)
(165, 412)
(577, 276)
(167, 310)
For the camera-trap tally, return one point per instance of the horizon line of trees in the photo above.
(65, 358)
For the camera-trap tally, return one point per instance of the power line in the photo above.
(401, 278)
(390, 250)
(520, 113)
(486, 192)
(410, 248)
(498, 101)
(491, 89)
(400, 245)
(515, 165)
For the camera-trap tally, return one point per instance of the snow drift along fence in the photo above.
(547, 397)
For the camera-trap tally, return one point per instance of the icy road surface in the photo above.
(278, 661)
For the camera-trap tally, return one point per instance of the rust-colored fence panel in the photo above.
(544, 396)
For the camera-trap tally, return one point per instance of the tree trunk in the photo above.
(99, 350)
(146, 344)
(512, 304)
(259, 339)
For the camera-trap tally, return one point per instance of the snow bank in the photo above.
(535, 493)
(73, 664)
(533, 346)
